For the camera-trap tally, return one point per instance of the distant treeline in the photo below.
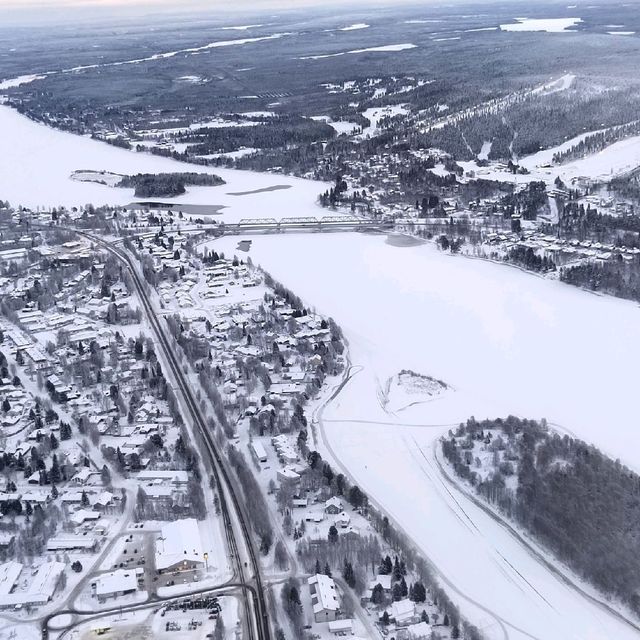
(148, 185)
(575, 500)
(276, 133)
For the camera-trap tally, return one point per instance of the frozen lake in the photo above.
(508, 342)
(37, 162)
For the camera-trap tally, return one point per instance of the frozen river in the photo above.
(507, 342)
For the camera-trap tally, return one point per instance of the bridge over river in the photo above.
(308, 223)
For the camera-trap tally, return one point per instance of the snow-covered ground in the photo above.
(37, 173)
(340, 126)
(355, 27)
(550, 25)
(242, 27)
(16, 82)
(387, 48)
(240, 153)
(485, 151)
(376, 114)
(553, 86)
(616, 159)
(545, 157)
(506, 342)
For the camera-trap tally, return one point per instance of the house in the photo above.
(114, 584)
(82, 476)
(6, 542)
(324, 598)
(72, 543)
(383, 580)
(176, 477)
(403, 612)
(288, 476)
(83, 515)
(105, 501)
(343, 520)
(179, 547)
(258, 451)
(37, 496)
(314, 516)
(333, 505)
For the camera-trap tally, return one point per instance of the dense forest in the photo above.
(530, 121)
(621, 278)
(273, 133)
(597, 141)
(150, 185)
(528, 202)
(579, 503)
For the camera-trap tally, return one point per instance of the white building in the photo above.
(258, 451)
(179, 547)
(40, 591)
(403, 611)
(324, 598)
(116, 583)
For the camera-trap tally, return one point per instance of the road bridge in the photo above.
(303, 223)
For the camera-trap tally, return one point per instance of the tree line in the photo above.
(581, 504)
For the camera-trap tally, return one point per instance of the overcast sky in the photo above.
(38, 10)
(227, 5)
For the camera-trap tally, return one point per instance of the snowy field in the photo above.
(36, 172)
(376, 114)
(614, 160)
(506, 342)
(340, 126)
